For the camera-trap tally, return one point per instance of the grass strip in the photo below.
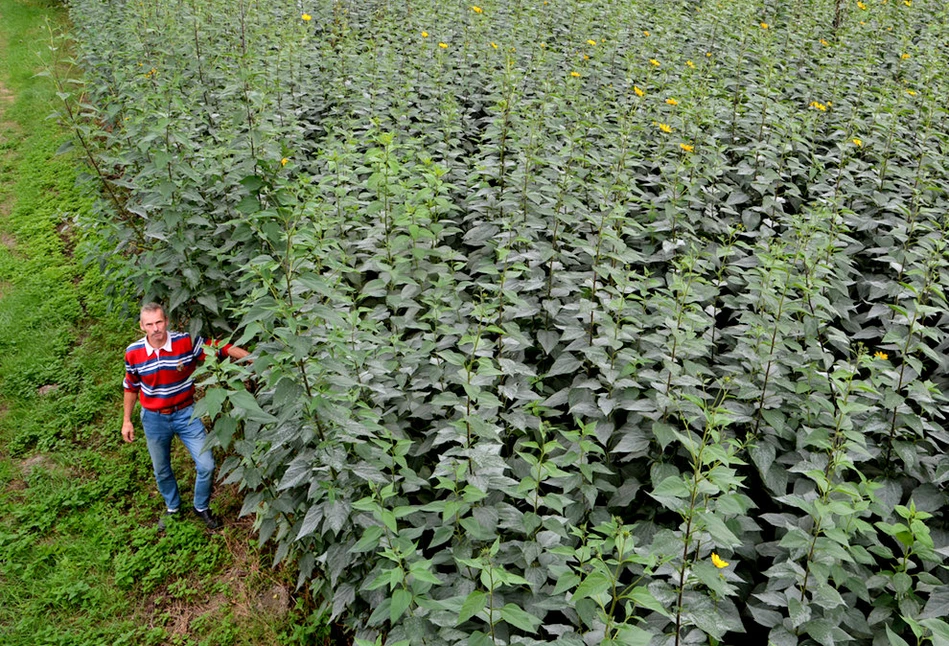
(81, 561)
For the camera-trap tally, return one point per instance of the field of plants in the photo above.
(574, 321)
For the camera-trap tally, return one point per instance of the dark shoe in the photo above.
(166, 518)
(210, 520)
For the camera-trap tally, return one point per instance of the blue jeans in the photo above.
(159, 430)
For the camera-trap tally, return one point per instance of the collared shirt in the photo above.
(165, 348)
(162, 376)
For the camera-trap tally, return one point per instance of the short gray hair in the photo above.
(154, 307)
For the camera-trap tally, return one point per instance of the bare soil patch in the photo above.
(6, 127)
(42, 391)
(253, 591)
(38, 461)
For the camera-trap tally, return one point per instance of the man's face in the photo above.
(153, 325)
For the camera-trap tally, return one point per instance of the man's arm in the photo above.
(237, 353)
(128, 431)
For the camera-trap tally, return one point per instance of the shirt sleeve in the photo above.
(131, 383)
(215, 344)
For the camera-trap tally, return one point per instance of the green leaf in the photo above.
(719, 531)
(671, 492)
(824, 632)
(938, 603)
(311, 521)
(246, 406)
(798, 612)
(706, 616)
(369, 539)
(337, 515)
(380, 613)
(779, 636)
(424, 574)
(401, 600)
(642, 597)
(210, 404)
(940, 629)
(387, 516)
(633, 636)
(252, 183)
(519, 618)
(595, 583)
(224, 429)
(474, 603)
(895, 640)
(566, 363)
(479, 638)
(565, 582)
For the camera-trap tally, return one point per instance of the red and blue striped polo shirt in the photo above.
(163, 377)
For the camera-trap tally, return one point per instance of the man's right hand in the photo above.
(128, 431)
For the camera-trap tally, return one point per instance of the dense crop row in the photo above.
(558, 307)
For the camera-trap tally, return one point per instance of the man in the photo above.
(158, 371)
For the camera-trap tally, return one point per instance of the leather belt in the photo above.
(173, 409)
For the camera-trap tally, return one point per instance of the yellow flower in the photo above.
(718, 561)
(543, 45)
(708, 54)
(879, 354)
(591, 42)
(824, 42)
(639, 91)
(908, 3)
(494, 45)
(443, 45)
(690, 64)
(857, 142)
(818, 106)
(424, 34)
(283, 162)
(665, 127)
(904, 56)
(764, 25)
(654, 62)
(646, 34)
(575, 75)
(862, 6)
(585, 57)
(672, 102)
(687, 148)
(306, 17)
(477, 9)
(911, 92)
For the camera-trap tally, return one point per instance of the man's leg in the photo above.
(158, 434)
(192, 434)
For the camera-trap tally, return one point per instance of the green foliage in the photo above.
(551, 302)
(183, 550)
